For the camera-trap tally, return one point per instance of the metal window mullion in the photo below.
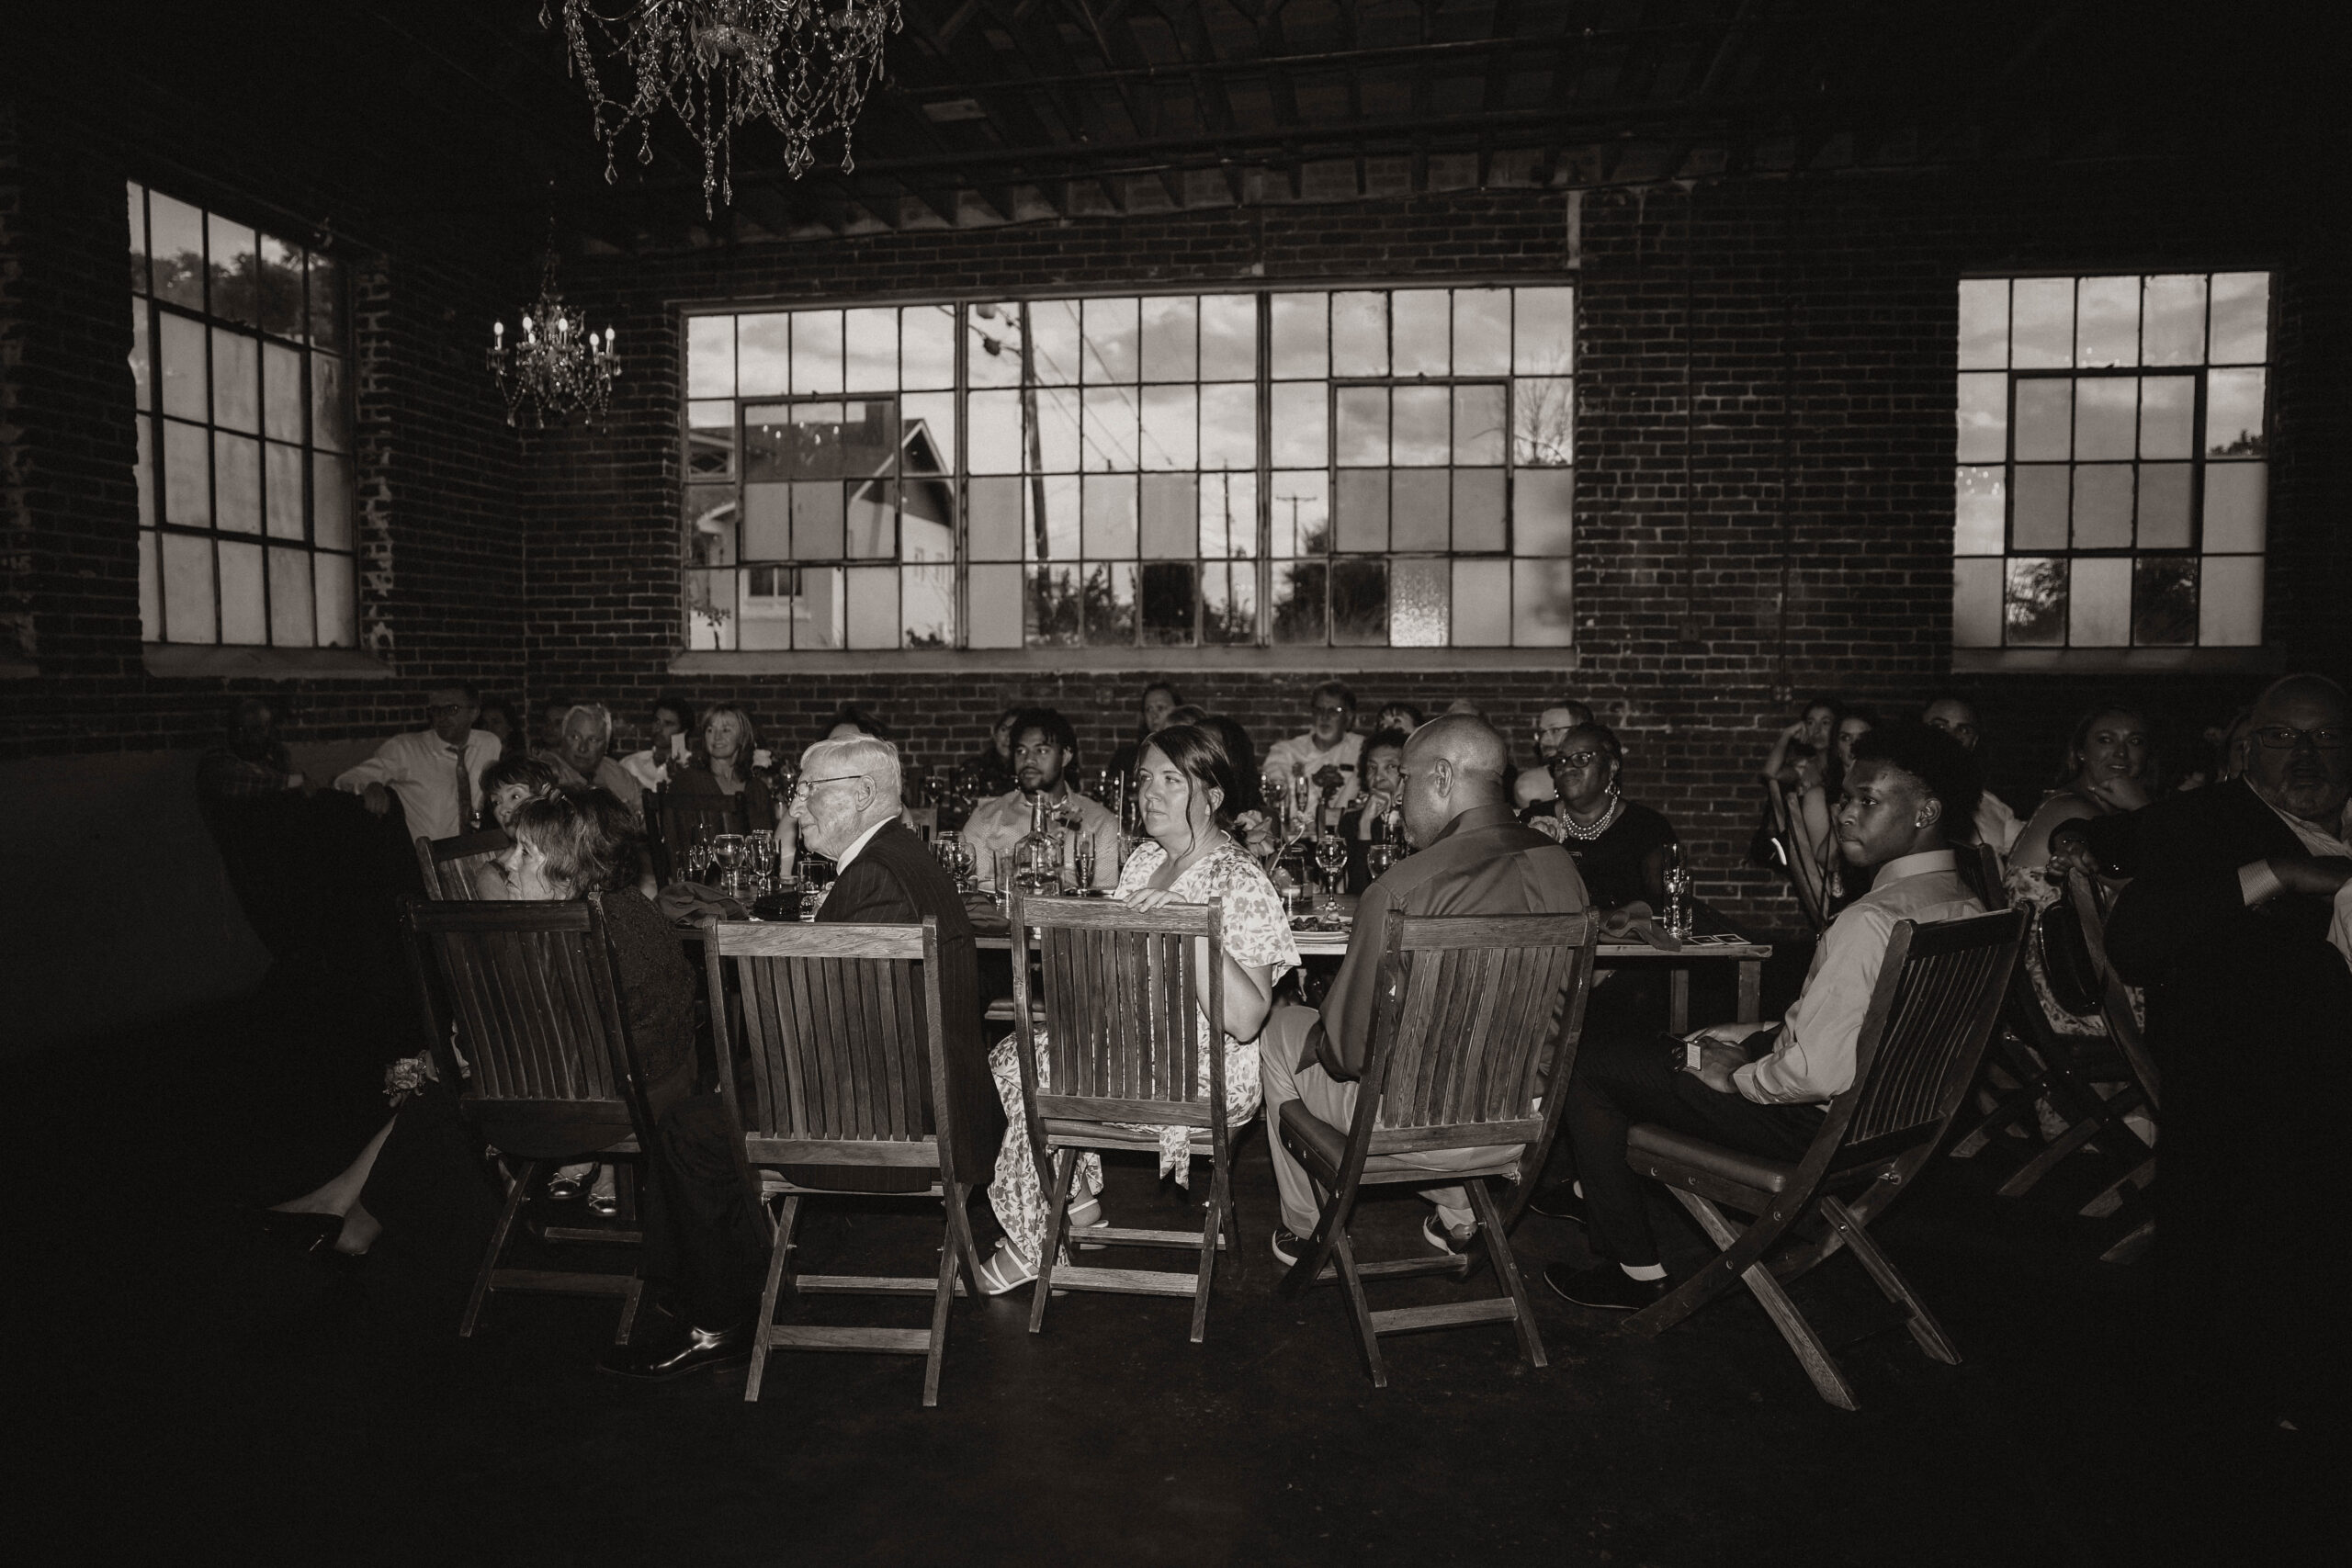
(211, 467)
(959, 478)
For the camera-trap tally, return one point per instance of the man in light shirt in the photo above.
(1044, 746)
(583, 757)
(1763, 1089)
(1997, 825)
(436, 771)
(1326, 756)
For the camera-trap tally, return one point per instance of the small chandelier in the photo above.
(555, 364)
(805, 65)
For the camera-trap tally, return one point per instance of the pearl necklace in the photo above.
(1585, 835)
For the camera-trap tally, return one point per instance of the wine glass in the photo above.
(1378, 856)
(1331, 856)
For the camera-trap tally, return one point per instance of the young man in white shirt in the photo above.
(1044, 746)
(1326, 756)
(1762, 1089)
(436, 771)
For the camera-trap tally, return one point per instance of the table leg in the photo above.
(1751, 989)
(1678, 1007)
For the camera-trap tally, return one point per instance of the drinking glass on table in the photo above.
(1331, 857)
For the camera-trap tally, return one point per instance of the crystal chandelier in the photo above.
(554, 364)
(805, 65)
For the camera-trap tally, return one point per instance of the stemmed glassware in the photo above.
(1331, 857)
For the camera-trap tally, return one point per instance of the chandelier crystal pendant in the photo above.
(804, 66)
(554, 364)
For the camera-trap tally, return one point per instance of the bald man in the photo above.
(1471, 858)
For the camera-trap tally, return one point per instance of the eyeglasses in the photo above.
(1579, 758)
(805, 785)
(1332, 707)
(436, 710)
(2283, 737)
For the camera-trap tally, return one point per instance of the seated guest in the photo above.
(507, 785)
(1159, 701)
(498, 716)
(1470, 857)
(435, 772)
(552, 713)
(1326, 756)
(1997, 825)
(851, 720)
(673, 717)
(2240, 926)
(847, 808)
(1043, 749)
(1373, 818)
(1621, 848)
(1402, 716)
(718, 767)
(1761, 1089)
(990, 767)
(1552, 727)
(1190, 858)
(1808, 738)
(2108, 770)
(251, 763)
(1817, 795)
(584, 757)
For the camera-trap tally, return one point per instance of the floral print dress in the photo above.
(1256, 932)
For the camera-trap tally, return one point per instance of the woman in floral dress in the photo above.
(1184, 779)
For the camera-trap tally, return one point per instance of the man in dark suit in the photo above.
(2228, 925)
(848, 810)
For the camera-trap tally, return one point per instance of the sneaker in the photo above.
(1449, 1238)
(1561, 1201)
(1606, 1288)
(1288, 1248)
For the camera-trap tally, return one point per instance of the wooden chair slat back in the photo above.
(1121, 993)
(842, 1025)
(1937, 995)
(2115, 997)
(530, 988)
(1803, 877)
(448, 865)
(1471, 1012)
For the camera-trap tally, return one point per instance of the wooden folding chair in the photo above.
(1804, 876)
(448, 865)
(1126, 1031)
(2141, 1076)
(528, 989)
(845, 1033)
(1471, 1047)
(1933, 1011)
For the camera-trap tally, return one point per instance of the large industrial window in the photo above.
(1352, 467)
(2112, 481)
(238, 356)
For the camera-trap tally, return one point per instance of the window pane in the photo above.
(821, 613)
(1417, 509)
(1359, 603)
(711, 356)
(2037, 602)
(1057, 430)
(136, 196)
(1478, 424)
(994, 357)
(142, 388)
(329, 419)
(289, 599)
(1053, 607)
(2168, 416)
(1479, 511)
(231, 252)
(1481, 331)
(2164, 506)
(1229, 338)
(1058, 538)
(1171, 427)
(767, 522)
(928, 432)
(338, 605)
(1481, 603)
(1301, 334)
(1984, 419)
(1542, 597)
(1230, 516)
(278, 286)
(1984, 323)
(1171, 325)
(768, 600)
(1300, 423)
(2241, 317)
(873, 520)
(236, 483)
(926, 526)
(185, 378)
(870, 337)
(2042, 323)
(2106, 411)
(2103, 506)
(1360, 334)
(1230, 602)
(2107, 322)
(244, 614)
(1110, 516)
(927, 605)
(2229, 608)
(1301, 513)
(762, 354)
(236, 380)
(1112, 418)
(1171, 516)
(1113, 331)
(324, 294)
(1054, 333)
(711, 610)
(188, 588)
(1419, 323)
(175, 239)
(1363, 522)
(2173, 333)
(151, 588)
(2237, 500)
(282, 391)
(927, 346)
(1420, 419)
(1544, 421)
(1166, 596)
(1229, 425)
(2164, 613)
(1542, 513)
(1364, 427)
(2234, 414)
(710, 518)
(329, 501)
(1980, 520)
(2041, 518)
(1543, 332)
(146, 471)
(996, 604)
(995, 420)
(995, 521)
(1976, 603)
(710, 440)
(1299, 592)
(2046, 420)
(1421, 599)
(282, 490)
(2101, 597)
(819, 522)
(873, 595)
(187, 474)
(817, 351)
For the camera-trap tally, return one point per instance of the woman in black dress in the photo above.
(1623, 848)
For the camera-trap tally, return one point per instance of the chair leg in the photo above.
(777, 1256)
(1499, 1252)
(1359, 1310)
(1212, 1230)
(499, 1234)
(941, 1299)
(1319, 1246)
(2120, 1191)
(2023, 1179)
(1828, 1380)
(1922, 1322)
(2131, 1244)
(1065, 1170)
(959, 1230)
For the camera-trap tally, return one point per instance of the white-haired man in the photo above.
(584, 756)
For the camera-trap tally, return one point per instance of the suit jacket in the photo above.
(895, 881)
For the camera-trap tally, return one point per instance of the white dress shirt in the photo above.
(1997, 825)
(421, 769)
(997, 824)
(1297, 757)
(1813, 1061)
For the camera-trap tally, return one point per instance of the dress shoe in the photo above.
(1457, 1239)
(1605, 1289)
(694, 1350)
(1561, 1201)
(1288, 1247)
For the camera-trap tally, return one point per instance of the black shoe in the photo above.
(1561, 1201)
(694, 1350)
(1288, 1248)
(1605, 1289)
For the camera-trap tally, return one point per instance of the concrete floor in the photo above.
(194, 1389)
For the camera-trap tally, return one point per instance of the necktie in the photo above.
(465, 793)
